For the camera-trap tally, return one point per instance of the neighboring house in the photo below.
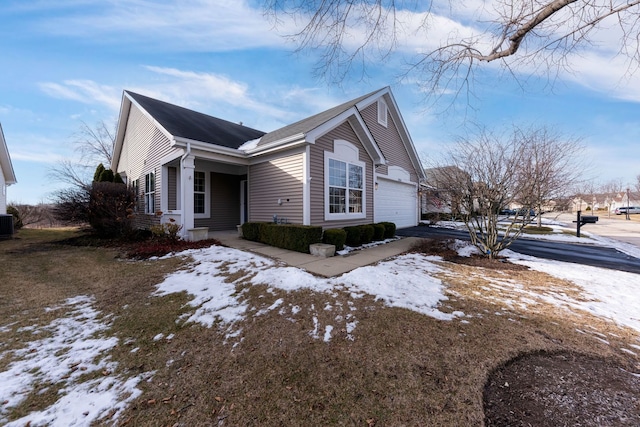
(436, 196)
(352, 164)
(7, 175)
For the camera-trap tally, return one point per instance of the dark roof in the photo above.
(305, 125)
(185, 123)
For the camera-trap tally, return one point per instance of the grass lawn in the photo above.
(397, 367)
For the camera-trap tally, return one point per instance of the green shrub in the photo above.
(251, 231)
(366, 233)
(354, 235)
(336, 237)
(286, 236)
(389, 229)
(17, 219)
(378, 232)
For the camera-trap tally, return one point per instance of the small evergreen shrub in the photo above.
(366, 233)
(251, 231)
(336, 237)
(389, 229)
(378, 232)
(354, 235)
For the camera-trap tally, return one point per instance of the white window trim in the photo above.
(207, 197)
(151, 193)
(346, 152)
(382, 112)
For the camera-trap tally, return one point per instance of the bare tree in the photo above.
(488, 171)
(539, 34)
(551, 166)
(93, 145)
(638, 183)
(610, 190)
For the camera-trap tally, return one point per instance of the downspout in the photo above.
(186, 154)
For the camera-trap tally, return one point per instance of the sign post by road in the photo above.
(582, 220)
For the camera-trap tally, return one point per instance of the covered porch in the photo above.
(203, 193)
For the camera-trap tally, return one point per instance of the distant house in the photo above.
(435, 195)
(606, 201)
(352, 164)
(7, 175)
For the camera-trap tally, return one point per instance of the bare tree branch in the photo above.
(538, 34)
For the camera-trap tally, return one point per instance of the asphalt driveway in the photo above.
(596, 256)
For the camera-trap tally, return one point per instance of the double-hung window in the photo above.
(199, 180)
(150, 193)
(201, 198)
(345, 189)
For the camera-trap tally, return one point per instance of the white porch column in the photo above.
(187, 169)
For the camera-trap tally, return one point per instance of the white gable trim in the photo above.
(5, 162)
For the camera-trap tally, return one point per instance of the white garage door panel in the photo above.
(396, 202)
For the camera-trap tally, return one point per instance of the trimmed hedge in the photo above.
(251, 231)
(354, 235)
(366, 233)
(286, 236)
(378, 232)
(336, 237)
(389, 229)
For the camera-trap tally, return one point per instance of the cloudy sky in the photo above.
(67, 62)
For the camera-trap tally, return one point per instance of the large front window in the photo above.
(345, 179)
(345, 188)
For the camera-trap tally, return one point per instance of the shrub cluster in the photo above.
(299, 237)
(357, 235)
(286, 236)
(336, 237)
(110, 210)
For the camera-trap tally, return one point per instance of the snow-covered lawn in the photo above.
(217, 279)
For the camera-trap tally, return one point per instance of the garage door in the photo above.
(396, 202)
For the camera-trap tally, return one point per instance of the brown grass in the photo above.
(400, 368)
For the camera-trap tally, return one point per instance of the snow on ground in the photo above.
(217, 279)
(406, 281)
(72, 346)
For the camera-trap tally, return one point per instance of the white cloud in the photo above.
(184, 25)
(85, 91)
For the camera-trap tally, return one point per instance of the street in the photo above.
(593, 255)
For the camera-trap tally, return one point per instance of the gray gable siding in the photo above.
(143, 147)
(389, 141)
(325, 143)
(280, 178)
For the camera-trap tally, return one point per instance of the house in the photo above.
(436, 196)
(7, 175)
(352, 164)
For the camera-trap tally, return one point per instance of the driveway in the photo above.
(596, 256)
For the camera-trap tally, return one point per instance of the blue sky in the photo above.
(69, 61)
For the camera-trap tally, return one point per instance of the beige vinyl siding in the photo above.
(325, 143)
(269, 181)
(143, 147)
(389, 141)
(224, 190)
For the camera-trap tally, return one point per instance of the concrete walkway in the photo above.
(326, 267)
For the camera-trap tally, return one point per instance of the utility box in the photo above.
(6, 226)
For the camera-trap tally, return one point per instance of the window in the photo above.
(344, 179)
(199, 180)
(382, 113)
(150, 193)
